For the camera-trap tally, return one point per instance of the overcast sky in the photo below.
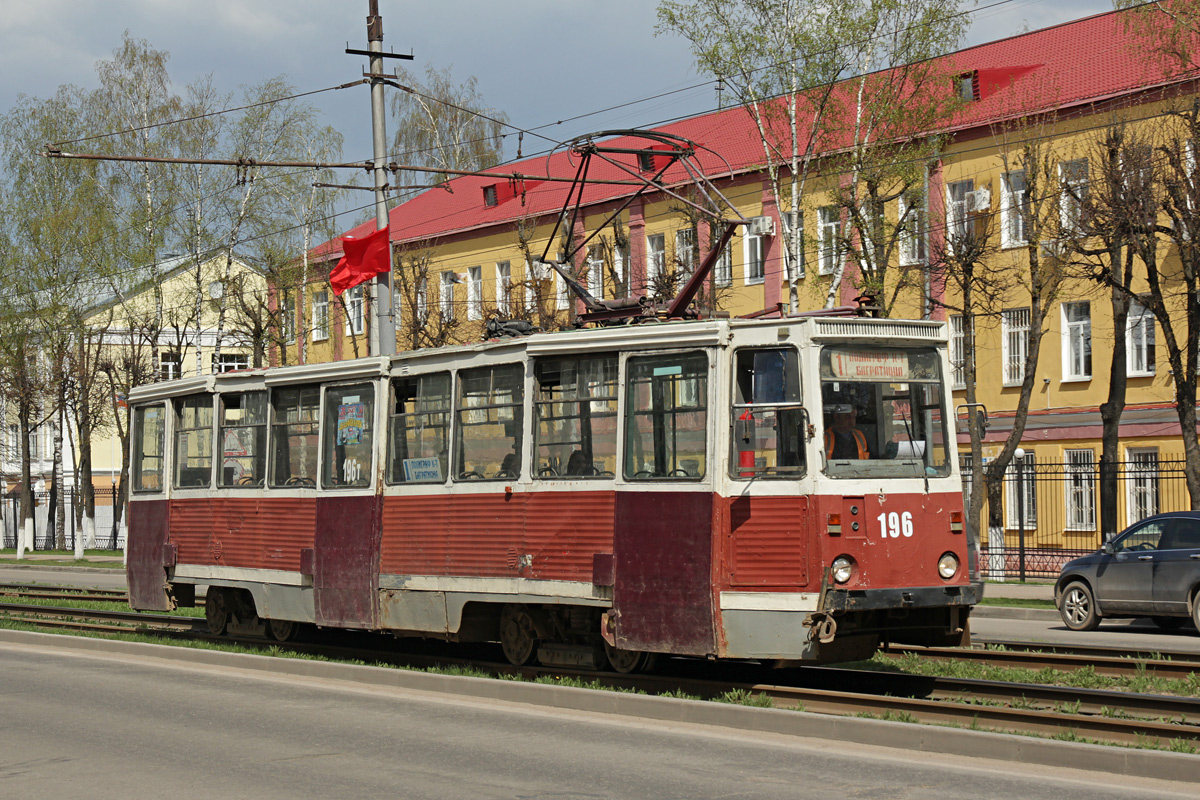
(540, 61)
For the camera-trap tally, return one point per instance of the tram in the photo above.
(591, 498)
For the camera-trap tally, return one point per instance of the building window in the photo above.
(958, 207)
(912, 233)
(1073, 182)
(1014, 209)
(656, 246)
(170, 366)
(489, 195)
(423, 300)
(595, 271)
(723, 267)
(1021, 471)
(563, 292)
(967, 86)
(958, 352)
(1139, 341)
(228, 362)
(1081, 491)
(503, 286)
(828, 228)
(1015, 329)
(446, 295)
(354, 311)
(320, 316)
(753, 248)
(1077, 341)
(685, 252)
(475, 293)
(1141, 483)
(287, 319)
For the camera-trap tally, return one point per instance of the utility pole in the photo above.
(381, 337)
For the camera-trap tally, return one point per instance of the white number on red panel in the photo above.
(894, 525)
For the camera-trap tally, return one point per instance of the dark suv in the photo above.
(1151, 570)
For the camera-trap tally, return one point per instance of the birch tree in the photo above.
(783, 62)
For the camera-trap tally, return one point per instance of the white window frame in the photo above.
(422, 300)
(474, 293)
(562, 293)
(958, 352)
(1141, 483)
(503, 286)
(1028, 466)
(958, 207)
(446, 294)
(1077, 341)
(170, 366)
(1014, 204)
(1080, 490)
(754, 260)
(287, 314)
(355, 311)
(722, 270)
(829, 228)
(229, 362)
(1015, 326)
(913, 250)
(656, 256)
(595, 271)
(1139, 338)
(686, 252)
(1072, 174)
(320, 316)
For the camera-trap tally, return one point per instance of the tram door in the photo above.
(346, 545)
(662, 548)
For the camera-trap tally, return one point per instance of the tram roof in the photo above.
(662, 335)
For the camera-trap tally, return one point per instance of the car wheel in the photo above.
(1168, 623)
(1196, 612)
(1078, 608)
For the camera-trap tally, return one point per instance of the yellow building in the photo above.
(1014, 168)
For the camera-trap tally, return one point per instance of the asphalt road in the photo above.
(86, 726)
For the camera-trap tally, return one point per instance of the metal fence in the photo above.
(109, 536)
(1051, 509)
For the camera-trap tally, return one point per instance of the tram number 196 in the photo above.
(895, 525)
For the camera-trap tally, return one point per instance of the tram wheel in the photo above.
(281, 630)
(518, 636)
(629, 661)
(216, 610)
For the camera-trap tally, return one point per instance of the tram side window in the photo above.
(149, 426)
(243, 438)
(349, 435)
(666, 417)
(576, 417)
(767, 420)
(294, 435)
(419, 429)
(193, 441)
(489, 406)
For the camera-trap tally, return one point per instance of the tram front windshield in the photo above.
(884, 413)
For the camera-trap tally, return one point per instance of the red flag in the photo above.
(364, 258)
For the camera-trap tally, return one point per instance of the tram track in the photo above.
(1040, 709)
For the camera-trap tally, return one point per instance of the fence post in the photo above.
(1019, 457)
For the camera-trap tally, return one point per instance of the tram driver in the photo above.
(843, 439)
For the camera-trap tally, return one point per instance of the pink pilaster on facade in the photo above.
(637, 248)
(935, 227)
(773, 256)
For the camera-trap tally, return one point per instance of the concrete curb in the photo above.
(61, 568)
(925, 738)
(1015, 612)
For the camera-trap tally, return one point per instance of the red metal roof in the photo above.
(1055, 68)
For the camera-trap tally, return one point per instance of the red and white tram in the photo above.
(602, 494)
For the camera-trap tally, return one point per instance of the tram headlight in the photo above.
(948, 565)
(842, 568)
